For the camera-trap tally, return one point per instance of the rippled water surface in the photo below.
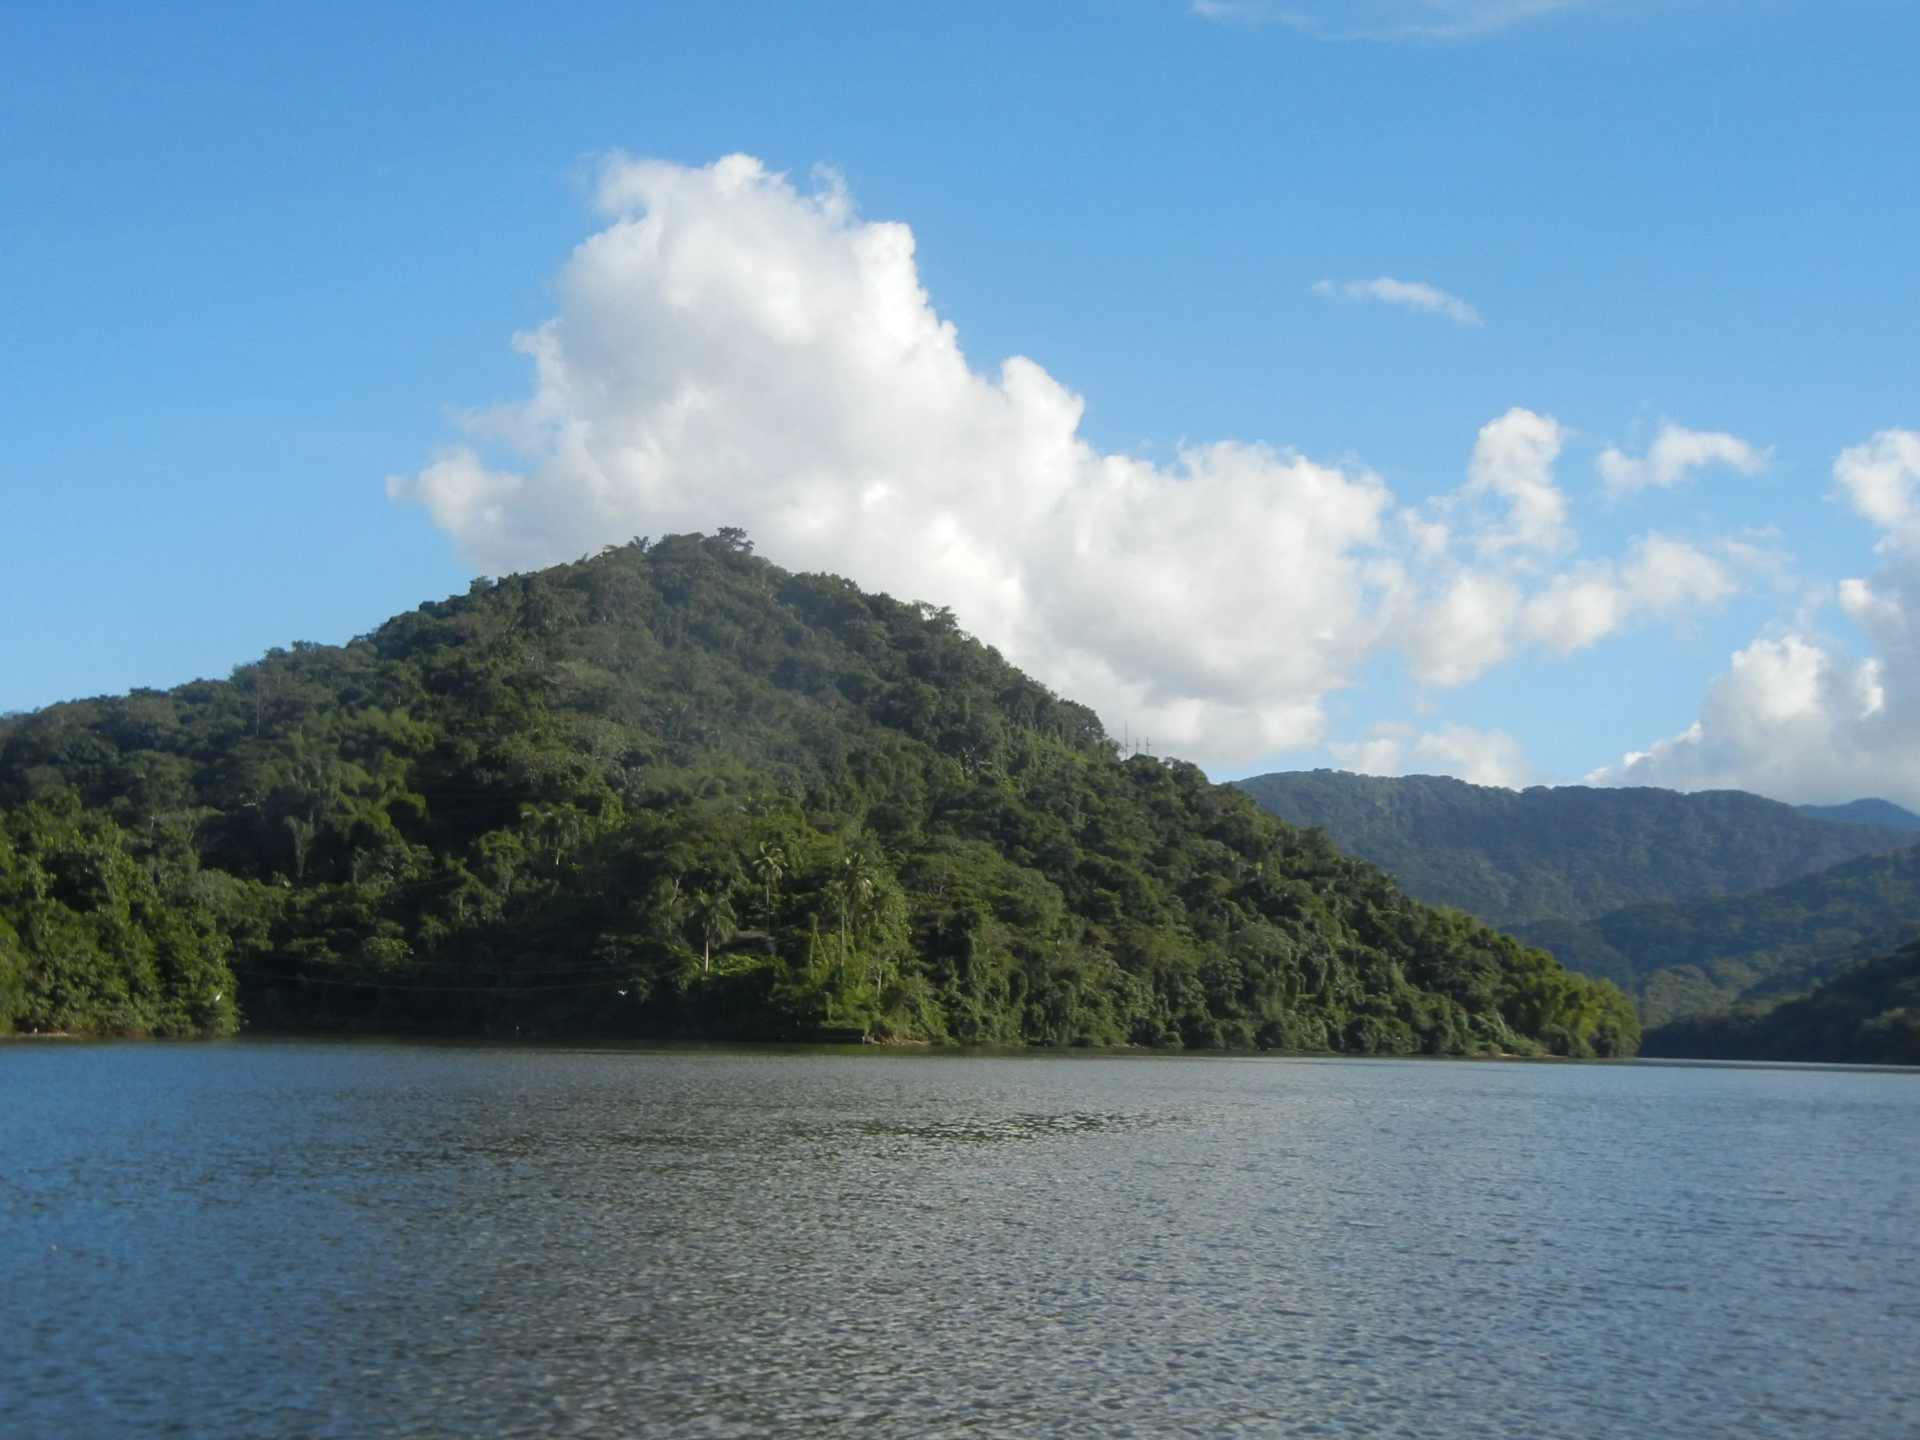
(264, 1239)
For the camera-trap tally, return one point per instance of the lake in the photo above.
(332, 1239)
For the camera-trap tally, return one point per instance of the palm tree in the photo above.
(713, 922)
(771, 864)
(854, 888)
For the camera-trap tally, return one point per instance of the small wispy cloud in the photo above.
(1675, 454)
(1410, 293)
(1387, 19)
(1228, 10)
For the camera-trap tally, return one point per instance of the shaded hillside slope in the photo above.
(1866, 812)
(1868, 1014)
(1571, 852)
(1705, 955)
(674, 790)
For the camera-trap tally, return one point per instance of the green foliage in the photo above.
(1518, 858)
(674, 790)
(1868, 1014)
(1866, 812)
(1707, 955)
(1553, 864)
(87, 941)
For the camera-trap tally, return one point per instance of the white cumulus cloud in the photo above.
(1661, 576)
(1513, 461)
(1878, 480)
(1675, 454)
(1481, 757)
(1797, 716)
(1411, 294)
(732, 351)
(1468, 619)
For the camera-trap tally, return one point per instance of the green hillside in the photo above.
(1565, 853)
(1705, 955)
(1868, 1014)
(90, 941)
(674, 790)
(1866, 812)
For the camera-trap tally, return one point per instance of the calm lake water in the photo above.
(290, 1239)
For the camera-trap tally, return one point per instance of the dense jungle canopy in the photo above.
(673, 790)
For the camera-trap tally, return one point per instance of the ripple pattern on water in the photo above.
(374, 1240)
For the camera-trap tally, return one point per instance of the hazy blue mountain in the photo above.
(1866, 812)
(1518, 858)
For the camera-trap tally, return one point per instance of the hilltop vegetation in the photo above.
(674, 790)
(1565, 853)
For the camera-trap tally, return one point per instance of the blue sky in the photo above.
(259, 259)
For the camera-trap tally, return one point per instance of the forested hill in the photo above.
(1705, 955)
(1866, 812)
(1869, 1014)
(1571, 852)
(674, 790)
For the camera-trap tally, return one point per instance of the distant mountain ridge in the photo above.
(1866, 812)
(1517, 858)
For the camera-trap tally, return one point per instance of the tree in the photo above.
(854, 886)
(770, 865)
(711, 915)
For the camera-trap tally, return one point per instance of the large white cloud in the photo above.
(730, 351)
(1795, 715)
